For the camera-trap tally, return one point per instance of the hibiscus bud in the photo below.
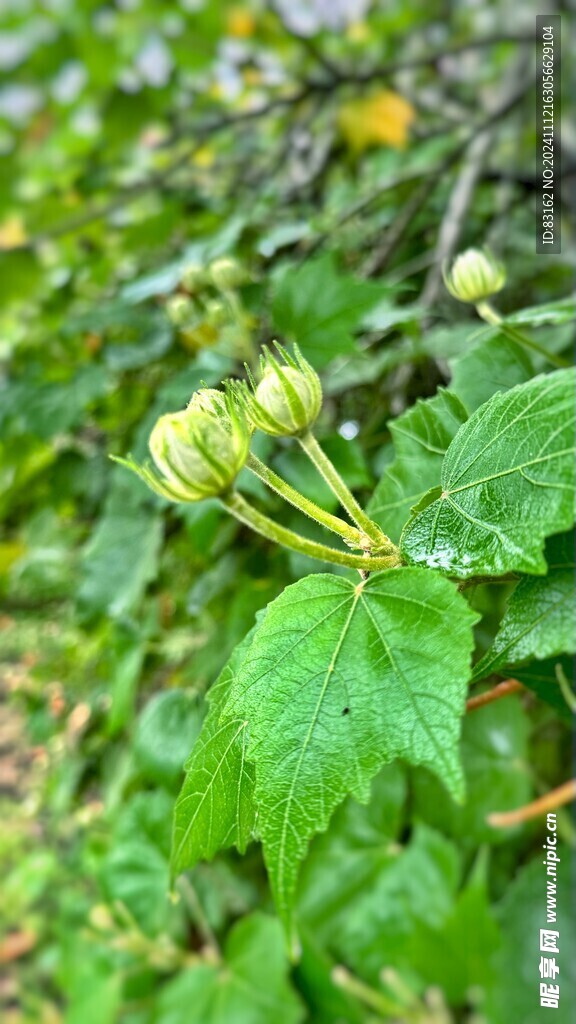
(196, 453)
(288, 398)
(193, 277)
(474, 276)
(180, 310)
(226, 273)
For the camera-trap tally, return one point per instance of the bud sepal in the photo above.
(196, 453)
(287, 400)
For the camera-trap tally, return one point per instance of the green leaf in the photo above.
(459, 953)
(496, 764)
(41, 408)
(386, 315)
(421, 437)
(508, 483)
(135, 871)
(496, 364)
(320, 308)
(539, 621)
(339, 680)
(521, 914)
(165, 731)
(119, 561)
(250, 986)
(561, 312)
(362, 835)
(542, 677)
(215, 808)
(374, 924)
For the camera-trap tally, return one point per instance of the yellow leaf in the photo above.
(240, 23)
(10, 552)
(196, 338)
(378, 120)
(12, 232)
(204, 157)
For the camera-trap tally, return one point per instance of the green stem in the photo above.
(342, 492)
(565, 688)
(377, 1001)
(349, 533)
(266, 527)
(492, 317)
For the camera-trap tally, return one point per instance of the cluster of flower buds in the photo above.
(474, 276)
(198, 452)
(224, 274)
(288, 398)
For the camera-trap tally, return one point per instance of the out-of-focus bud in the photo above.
(288, 398)
(216, 313)
(474, 276)
(180, 310)
(193, 277)
(226, 273)
(196, 453)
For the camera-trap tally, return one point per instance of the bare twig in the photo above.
(503, 689)
(211, 126)
(564, 794)
(476, 149)
(458, 205)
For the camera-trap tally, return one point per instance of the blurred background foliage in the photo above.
(336, 151)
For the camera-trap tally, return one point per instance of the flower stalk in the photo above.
(492, 317)
(372, 532)
(260, 523)
(349, 534)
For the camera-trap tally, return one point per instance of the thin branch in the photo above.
(503, 689)
(208, 128)
(458, 206)
(564, 794)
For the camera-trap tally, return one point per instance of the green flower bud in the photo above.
(209, 401)
(195, 453)
(216, 313)
(226, 273)
(180, 310)
(288, 398)
(193, 277)
(474, 276)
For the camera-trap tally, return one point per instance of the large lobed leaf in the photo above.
(421, 437)
(339, 680)
(507, 484)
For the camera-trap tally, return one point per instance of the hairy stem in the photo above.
(349, 533)
(332, 477)
(251, 517)
(492, 317)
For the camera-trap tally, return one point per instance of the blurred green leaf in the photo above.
(496, 364)
(249, 987)
(539, 621)
(321, 308)
(166, 729)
